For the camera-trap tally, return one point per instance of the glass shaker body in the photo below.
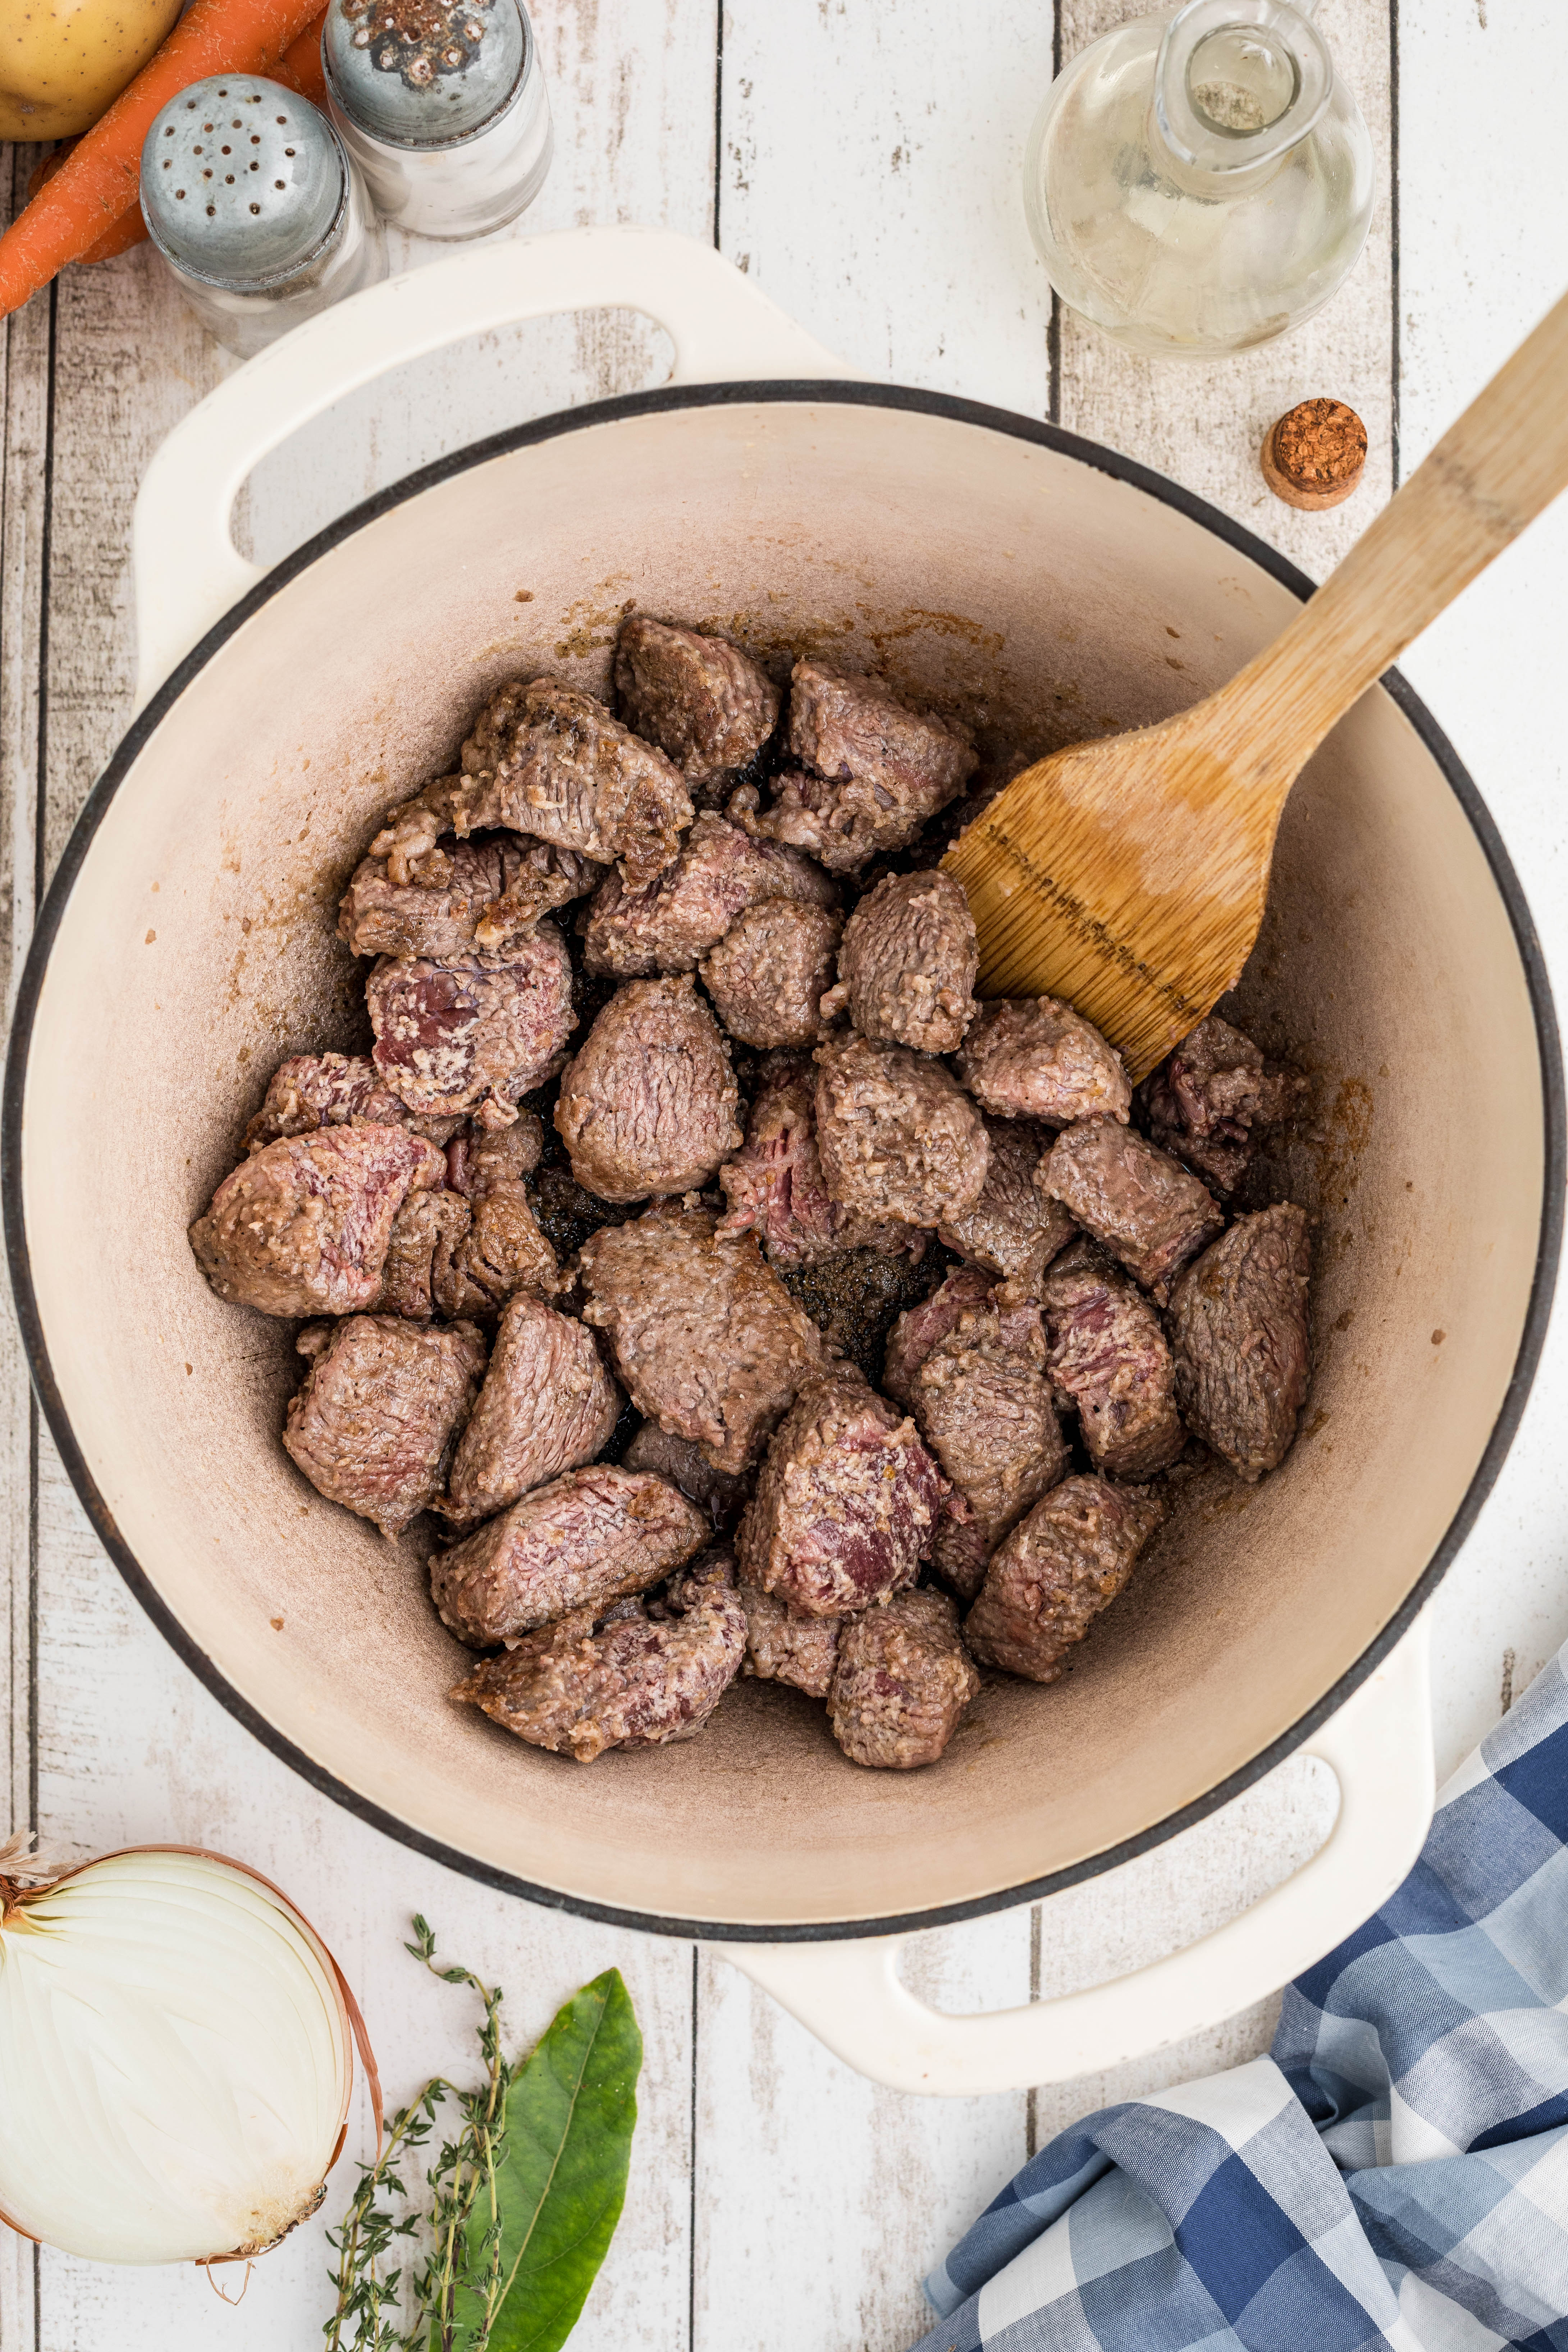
(449, 120)
(1200, 182)
(257, 212)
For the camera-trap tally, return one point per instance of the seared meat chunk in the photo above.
(897, 1139)
(568, 772)
(983, 1405)
(503, 1250)
(1206, 1098)
(635, 1681)
(1238, 1319)
(1055, 1573)
(879, 769)
(1142, 1204)
(902, 1683)
(315, 1090)
(1035, 1058)
(578, 1543)
(302, 1227)
(775, 1187)
(417, 1278)
(966, 1291)
(906, 970)
(672, 921)
(846, 1505)
(708, 706)
(1109, 1357)
(686, 1465)
(1013, 1229)
(770, 971)
(706, 1338)
(546, 761)
(648, 1104)
(783, 1646)
(547, 1405)
(476, 1034)
(460, 895)
(373, 1425)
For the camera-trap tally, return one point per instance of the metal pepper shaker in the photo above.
(443, 105)
(262, 217)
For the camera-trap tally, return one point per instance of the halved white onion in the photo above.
(176, 2058)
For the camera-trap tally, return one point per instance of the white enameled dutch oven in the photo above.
(1047, 587)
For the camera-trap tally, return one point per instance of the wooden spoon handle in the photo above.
(1490, 474)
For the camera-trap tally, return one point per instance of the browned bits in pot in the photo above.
(1316, 455)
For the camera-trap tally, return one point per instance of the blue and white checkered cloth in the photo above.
(1393, 2179)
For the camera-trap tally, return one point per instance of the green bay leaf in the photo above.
(569, 2115)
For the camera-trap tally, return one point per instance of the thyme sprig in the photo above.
(370, 2295)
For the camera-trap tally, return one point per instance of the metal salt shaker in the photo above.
(263, 219)
(442, 104)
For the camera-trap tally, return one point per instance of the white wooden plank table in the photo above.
(862, 163)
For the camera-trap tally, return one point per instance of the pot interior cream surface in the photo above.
(1046, 600)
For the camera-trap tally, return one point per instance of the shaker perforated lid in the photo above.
(241, 180)
(418, 73)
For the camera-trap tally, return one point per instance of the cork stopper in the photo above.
(1316, 454)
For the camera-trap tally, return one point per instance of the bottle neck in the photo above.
(1238, 84)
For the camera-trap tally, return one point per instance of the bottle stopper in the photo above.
(1316, 455)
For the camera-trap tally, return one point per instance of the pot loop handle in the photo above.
(1379, 1746)
(187, 571)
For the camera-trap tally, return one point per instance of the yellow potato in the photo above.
(62, 61)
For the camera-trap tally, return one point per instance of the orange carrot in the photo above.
(84, 201)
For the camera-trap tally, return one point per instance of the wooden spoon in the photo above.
(1129, 876)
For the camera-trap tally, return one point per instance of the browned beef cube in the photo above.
(1013, 1229)
(1109, 1357)
(417, 1278)
(706, 1338)
(373, 1427)
(302, 1227)
(966, 1291)
(1140, 1203)
(983, 1404)
(637, 1681)
(770, 971)
(580, 1543)
(503, 1250)
(783, 1646)
(902, 1683)
(1058, 1568)
(475, 1035)
(897, 1137)
(648, 1106)
(906, 970)
(547, 1405)
(566, 772)
(708, 706)
(846, 1504)
(1206, 1101)
(1238, 1319)
(774, 1186)
(1035, 1058)
(686, 1465)
(315, 1090)
(463, 895)
(672, 921)
(879, 769)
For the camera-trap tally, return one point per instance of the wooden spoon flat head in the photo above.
(1127, 876)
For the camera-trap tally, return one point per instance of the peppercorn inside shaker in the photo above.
(442, 103)
(261, 216)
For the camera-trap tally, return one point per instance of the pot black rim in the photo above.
(794, 393)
